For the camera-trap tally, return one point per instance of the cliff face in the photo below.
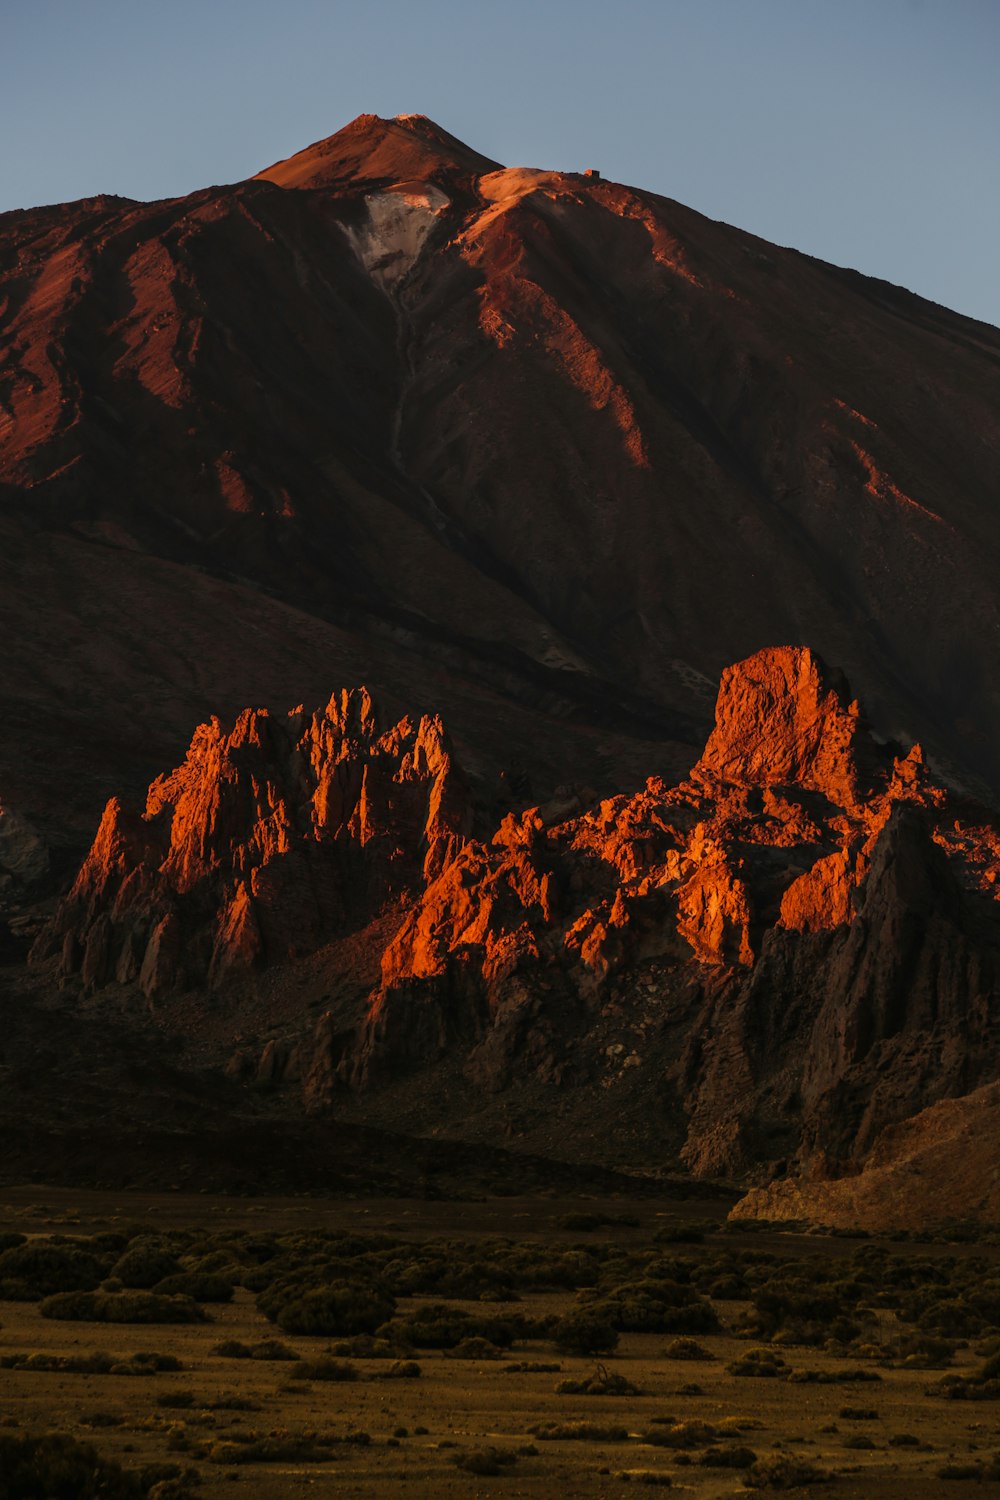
(807, 922)
(272, 839)
(543, 451)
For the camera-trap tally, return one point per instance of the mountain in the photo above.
(519, 447)
(540, 459)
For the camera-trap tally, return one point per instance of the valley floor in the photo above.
(419, 1428)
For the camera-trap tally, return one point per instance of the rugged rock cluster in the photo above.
(271, 839)
(810, 915)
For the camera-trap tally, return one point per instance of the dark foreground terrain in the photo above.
(529, 1346)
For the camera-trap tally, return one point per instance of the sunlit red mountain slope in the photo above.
(537, 451)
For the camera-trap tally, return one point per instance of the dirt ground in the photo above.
(419, 1426)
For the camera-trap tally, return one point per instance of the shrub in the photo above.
(656, 1306)
(680, 1234)
(784, 1474)
(272, 1350)
(366, 1346)
(485, 1461)
(340, 1309)
(600, 1383)
(685, 1349)
(474, 1348)
(531, 1367)
(282, 1447)
(144, 1263)
(437, 1326)
(91, 1364)
(121, 1307)
(585, 1332)
(580, 1223)
(324, 1368)
(39, 1269)
(728, 1458)
(592, 1432)
(762, 1362)
(59, 1468)
(400, 1369)
(681, 1435)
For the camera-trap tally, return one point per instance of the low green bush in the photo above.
(145, 1262)
(585, 1331)
(601, 1383)
(682, 1435)
(438, 1326)
(340, 1309)
(121, 1307)
(727, 1458)
(591, 1432)
(781, 1473)
(54, 1467)
(485, 1461)
(39, 1268)
(760, 1362)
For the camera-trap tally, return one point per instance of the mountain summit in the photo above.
(373, 151)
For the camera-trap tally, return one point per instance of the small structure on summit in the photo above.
(594, 173)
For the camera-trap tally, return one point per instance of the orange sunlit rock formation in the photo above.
(804, 891)
(272, 838)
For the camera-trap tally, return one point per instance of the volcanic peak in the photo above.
(372, 151)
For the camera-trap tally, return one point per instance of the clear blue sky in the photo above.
(863, 131)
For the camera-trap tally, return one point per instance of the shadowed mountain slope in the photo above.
(521, 447)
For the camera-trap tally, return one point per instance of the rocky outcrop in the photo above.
(24, 854)
(804, 929)
(274, 837)
(935, 1169)
(812, 876)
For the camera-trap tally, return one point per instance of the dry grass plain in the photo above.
(420, 1427)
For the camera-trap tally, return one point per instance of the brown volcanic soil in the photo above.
(537, 452)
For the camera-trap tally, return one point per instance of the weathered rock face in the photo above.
(24, 856)
(938, 1167)
(822, 887)
(273, 838)
(804, 931)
